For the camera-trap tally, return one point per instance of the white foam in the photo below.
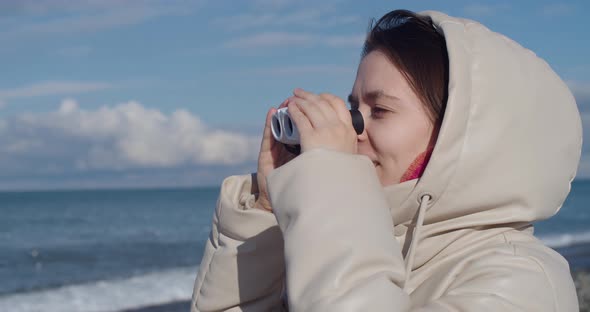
(565, 239)
(109, 295)
(154, 288)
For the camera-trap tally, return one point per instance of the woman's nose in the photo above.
(363, 135)
(362, 142)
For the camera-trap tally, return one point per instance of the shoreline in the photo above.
(174, 306)
(577, 256)
(581, 280)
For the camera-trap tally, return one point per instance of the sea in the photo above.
(138, 250)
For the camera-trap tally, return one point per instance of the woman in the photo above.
(430, 208)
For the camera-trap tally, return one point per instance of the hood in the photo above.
(510, 141)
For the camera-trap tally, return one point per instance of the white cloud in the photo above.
(72, 144)
(283, 39)
(580, 88)
(81, 24)
(270, 39)
(584, 168)
(578, 70)
(41, 7)
(581, 91)
(22, 146)
(586, 129)
(301, 18)
(480, 10)
(278, 5)
(45, 7)
(272, 4)
(82, 17)
(352, 40)
(557, 10)
(74, 51)
(46, 88)
(120, 137)
(307, 69)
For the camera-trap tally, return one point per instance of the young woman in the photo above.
(469, 138)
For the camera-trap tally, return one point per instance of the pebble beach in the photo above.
(581, 279)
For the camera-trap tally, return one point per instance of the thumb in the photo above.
(267, 139)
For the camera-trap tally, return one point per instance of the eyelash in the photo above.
(377, 112)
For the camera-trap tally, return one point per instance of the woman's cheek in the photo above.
(386, 139)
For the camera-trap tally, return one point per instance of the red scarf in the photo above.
(417, 166)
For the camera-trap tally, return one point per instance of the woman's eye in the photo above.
(378, 112)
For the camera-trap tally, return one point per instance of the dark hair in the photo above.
(418, 50)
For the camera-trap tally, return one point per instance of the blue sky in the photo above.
(174, 93)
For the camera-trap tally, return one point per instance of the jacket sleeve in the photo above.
(340, 250)
(341, 254)
(242, 268)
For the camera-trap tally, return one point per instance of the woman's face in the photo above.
(397, 128)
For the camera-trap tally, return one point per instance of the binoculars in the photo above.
(285, 131)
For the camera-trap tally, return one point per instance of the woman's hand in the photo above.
(273, 154)
(323, 121)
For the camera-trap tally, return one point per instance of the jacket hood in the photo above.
(510, 141)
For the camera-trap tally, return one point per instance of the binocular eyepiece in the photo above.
(285, 131)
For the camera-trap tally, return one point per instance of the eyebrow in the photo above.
(373, 96)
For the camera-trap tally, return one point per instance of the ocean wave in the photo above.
(107, 295)
(565, 239)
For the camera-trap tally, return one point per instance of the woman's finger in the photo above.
(310, 96)
(302, 122)
(313, 111)
(332, 99)
(324, 107)
(338, 105)
(284, 104)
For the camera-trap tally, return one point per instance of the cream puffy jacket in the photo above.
(457, 239)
